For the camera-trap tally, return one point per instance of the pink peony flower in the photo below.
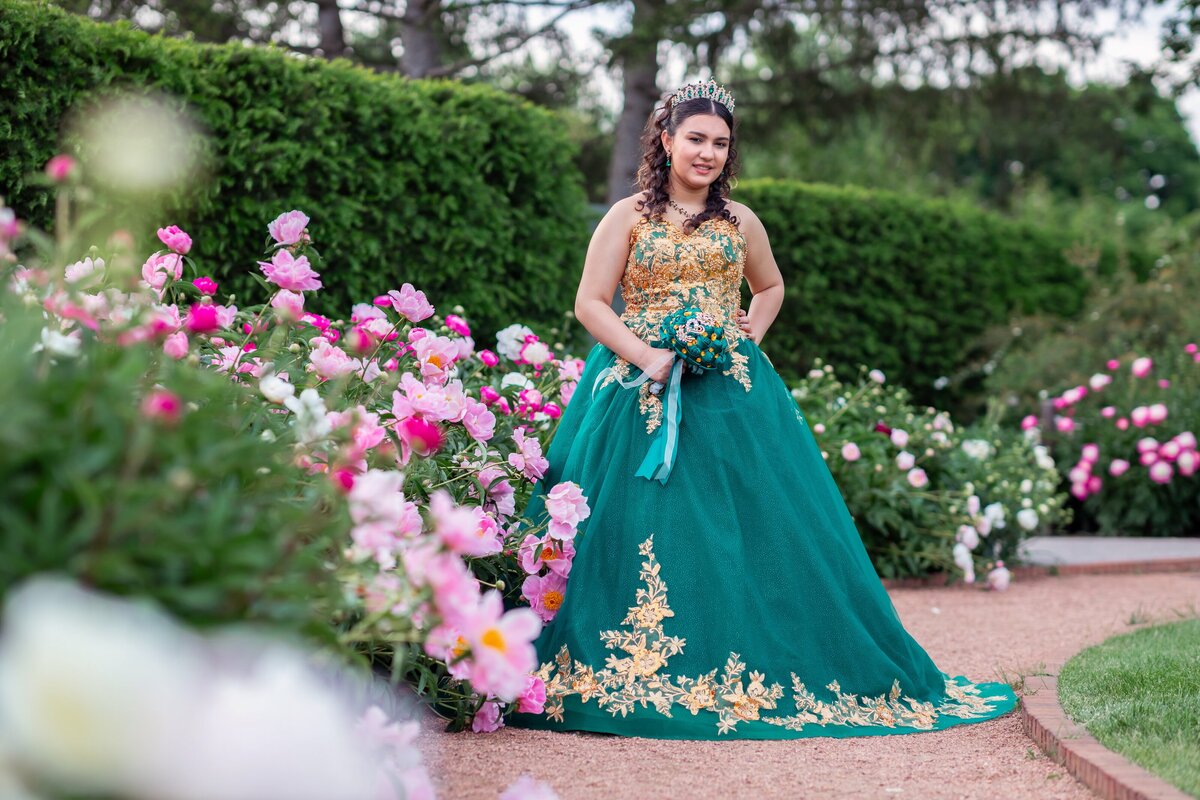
(528, 459)
(545, 593)
(488, 358)
(1148, 458)
(1163, 383)
(1090, 452)
(1064, 424)
(1099, 381)
(465, 530)
(288, 272)
(175, 239)
(905, 461)
(1030, 421)
(288, 305)
(501, 496)
(436, 355)
(1187, 463)
(420, 437)
(1094, 483)
(202, 319)
(162, 268)
(288, 228)
(458, 325)
(1141, 367)
(552, 410)
(535, 353)
(555, 554)
(206, 285)
(1118, 467)
(502, 645)
(917, 478)
(1122, 424)
(1108, 412)
(1191, 348)
(527, 787)
(533, 699)
(567, 507)
(176, 345)
(567, 391)
(1186, 440)
(899, 437)
(1113, 364)
(850, 451)
(410, 303)
(1157, 414)
(479, 421)
(60, 167)
(1161, 472)
(487, 719)
(162, 406)
(1147, 444)
(328, 361)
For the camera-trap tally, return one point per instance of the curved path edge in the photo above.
(1108, 774)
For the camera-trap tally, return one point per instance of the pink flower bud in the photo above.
(552, 410)
(1113, 364)
(1122, 424)
(850, 451)
(1108, 412)
(1191, 348)
(488, 395)
(423, 437)
(1079, 491)
(489, 358)
(343, 479)
(1148, 458)
(1141, 367)
(1090, 452)
(458, 325)
(1064, 424)
(917, 478)
(382, 300)
(1030, 421)
(1140, 416)
(1187, 440)
(1147, 444)
(163, 406)
(1093, 484)
(1163, 383)
(60, 168)
(175, 239)
(206, 285)
(1157, 414)
(1118, 467)
(1187, 463)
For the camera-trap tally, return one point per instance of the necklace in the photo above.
(687, 215)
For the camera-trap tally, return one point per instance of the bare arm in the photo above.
(602, 271)
(762, 273)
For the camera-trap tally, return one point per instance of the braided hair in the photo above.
(653, 172)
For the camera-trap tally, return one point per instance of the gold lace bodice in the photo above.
(667, 270)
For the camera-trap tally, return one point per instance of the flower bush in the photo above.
(1129, 436)
(926, 495)
(401, 453)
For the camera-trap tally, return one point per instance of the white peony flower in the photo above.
(962, 559)
(59, 344)
(516, 379)
(1026, 486)
(1027, 518)
(905, 460)
(510, 340)
(86, 269)
(978, 449)
(311, 418)
(276, 389)
(996, 513)
(968, 536)
(876, 375)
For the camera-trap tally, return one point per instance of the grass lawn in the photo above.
(1139, 694)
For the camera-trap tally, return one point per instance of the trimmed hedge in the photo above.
(898, 282)
(466, 192)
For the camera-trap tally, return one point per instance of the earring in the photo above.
(668, 160)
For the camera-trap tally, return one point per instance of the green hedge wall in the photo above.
(900, 283)
(465, 191)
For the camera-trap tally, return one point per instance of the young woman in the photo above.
(719, 587)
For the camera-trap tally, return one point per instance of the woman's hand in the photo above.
(656, 361)
(743, 320)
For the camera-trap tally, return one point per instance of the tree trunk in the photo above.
(639, 77)
(422, 48)
(329, 23)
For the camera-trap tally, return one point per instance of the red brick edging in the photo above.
(1110, 775)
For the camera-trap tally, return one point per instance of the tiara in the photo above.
(710, 90)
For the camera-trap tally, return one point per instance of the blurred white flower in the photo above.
(905, 460)
(978, 449)
(1026, 486)
(876, 375)
(962, 559)
(998, 579)
(104, 696)
(527, 787)
(59, 344)
(276, 389)
(968, 536)
(516, 379)
(311, 419)
(997, 514)
(1027, 518)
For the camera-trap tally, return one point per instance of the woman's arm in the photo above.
(602, 271)
(762, 273)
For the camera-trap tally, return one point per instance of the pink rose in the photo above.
(175, 239)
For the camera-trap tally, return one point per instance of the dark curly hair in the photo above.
(653, 172)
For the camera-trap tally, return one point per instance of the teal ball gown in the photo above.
(719, 588)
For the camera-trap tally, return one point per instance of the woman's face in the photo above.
(698, 150)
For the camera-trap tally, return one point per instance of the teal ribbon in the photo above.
(660, 458)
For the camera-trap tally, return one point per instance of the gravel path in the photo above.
(986, 636)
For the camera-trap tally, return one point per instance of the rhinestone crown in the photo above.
(708, 89)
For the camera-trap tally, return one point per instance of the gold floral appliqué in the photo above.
(635, 675)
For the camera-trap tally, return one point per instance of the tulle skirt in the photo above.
(735, 601)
